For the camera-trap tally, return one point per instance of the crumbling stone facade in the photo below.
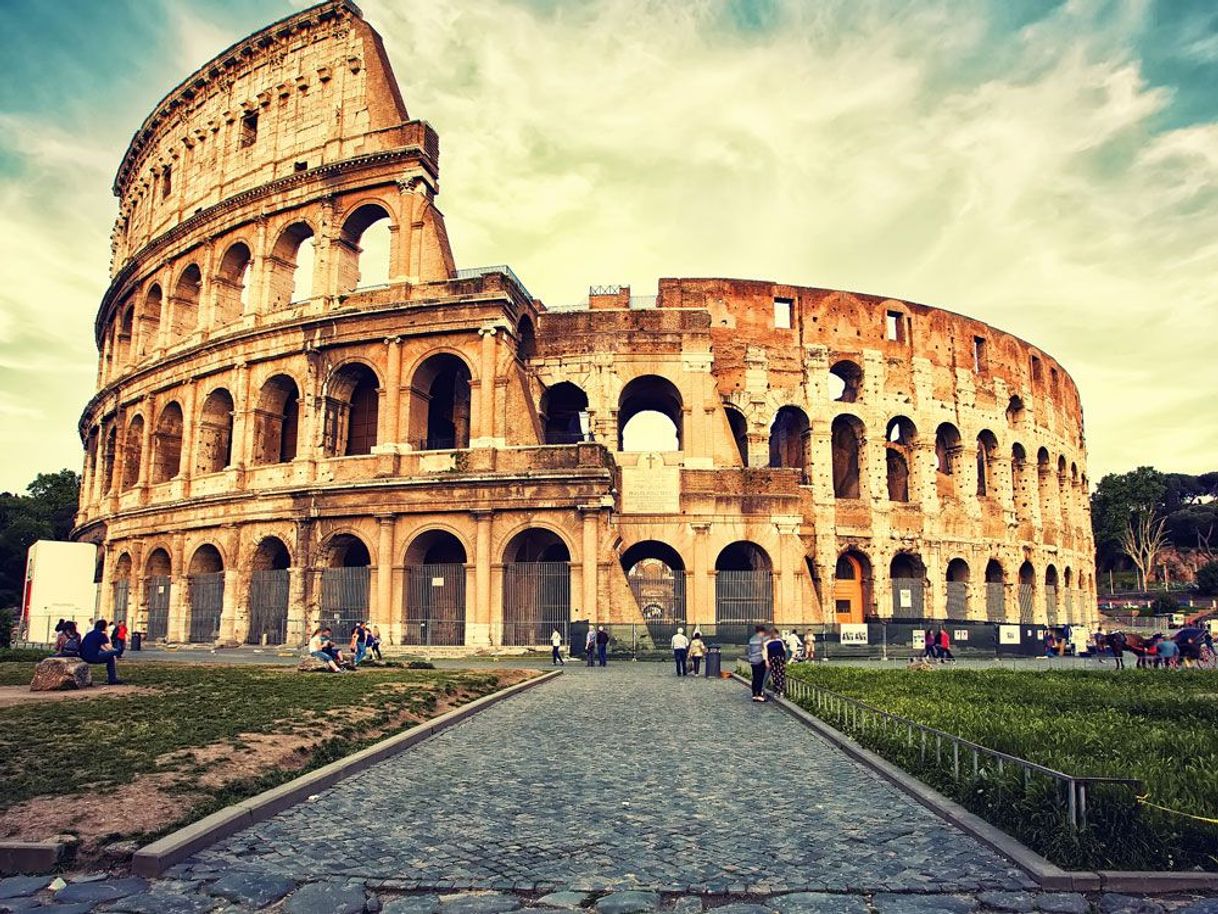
(279, 440)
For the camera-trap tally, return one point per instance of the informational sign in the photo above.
(906, 597)
(854, 633)
(960, 634)
(437, 582)
(651, 487)
(918, 639)
(1008, 634)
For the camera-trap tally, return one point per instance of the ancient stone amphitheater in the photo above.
(307, 412)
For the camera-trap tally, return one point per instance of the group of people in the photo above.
(768, 653)
(365, 639)
(94, 646)
(937, 645)
(596, 646)
(688, 651)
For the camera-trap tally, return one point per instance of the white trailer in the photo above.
(58, 585)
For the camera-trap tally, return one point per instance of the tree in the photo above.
(1207, 579)
(1117, 497)
(1144, 536)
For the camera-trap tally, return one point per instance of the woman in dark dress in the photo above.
(776, 662)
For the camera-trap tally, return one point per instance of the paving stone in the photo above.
(1063, 903)
(326, 898)
(83, 908)
(630, 902)
(21, 903)
(1204, 906)
(22, 886)
(1113, 903)
(97, 892)
(887, 903)
(478, 903)
(741, 907)
(687, 904)
(1020, 902)
(818, 903)
(564, 899)
(254, 889)
(160, 902)
(412, 904)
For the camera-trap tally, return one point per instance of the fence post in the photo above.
(1072, 802)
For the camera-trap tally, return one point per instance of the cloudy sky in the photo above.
(1049, 166)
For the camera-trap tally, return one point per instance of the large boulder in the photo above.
(310, 664)
(60, 674)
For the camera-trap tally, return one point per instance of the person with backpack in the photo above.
(67, 644)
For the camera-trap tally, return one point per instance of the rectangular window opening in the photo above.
(782, 313)
(249, 129)
(978, 354)
(1036, 369)
(166, 181)
(894, 326)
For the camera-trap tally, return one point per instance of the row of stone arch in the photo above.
(283, 274)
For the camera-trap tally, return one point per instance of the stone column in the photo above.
(390, 431)
(589, 555)
(234, 616)
(146, 446)
(700, 600)
(789, 609)
(382, 612)
(485, 426)
(479, 631)
(179, 601)
(186, 464)
(243, 416)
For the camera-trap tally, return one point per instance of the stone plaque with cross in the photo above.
(651, 487)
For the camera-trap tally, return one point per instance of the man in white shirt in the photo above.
(680, 651)
(556, 649)
(794, 645)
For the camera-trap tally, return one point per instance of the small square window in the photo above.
(1036, 369)
(978, 354)
(782, 313)
(301, 166)
(249, 129)
(894, 326)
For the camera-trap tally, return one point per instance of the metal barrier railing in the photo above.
(859, 715)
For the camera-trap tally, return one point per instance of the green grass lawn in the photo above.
(1158, 726)
(194, 720)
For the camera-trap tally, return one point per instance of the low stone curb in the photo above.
(158, 856)
(32, 856)
(1047, 874)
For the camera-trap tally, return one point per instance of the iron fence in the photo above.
(344, 598)
(433, 604)
(269, 594)
(122, 596)
(1027, 603)
(908, 596)
(156, 599)
(743, 599)
(964, 757)
(957, 599)
(206, 592)
(995, 601)
(536, 600)
(1051, 604)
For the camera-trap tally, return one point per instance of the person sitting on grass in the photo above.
(317, 649)
(93, 650)
(67, 644)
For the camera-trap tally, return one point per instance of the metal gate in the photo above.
(122, 595)
(1069, 605)
(536, 601)
(1051, 604)
(433, 604)
(995, 601)
(661, 600)
(344, 599)
(957, 599)
(1027, 603)
(908, 597)
(269, 606)
(206, 605)
(156, 598)
(742, 600)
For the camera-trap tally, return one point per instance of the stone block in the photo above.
(61, 674)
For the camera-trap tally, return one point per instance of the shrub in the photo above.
(1164, 604)
(1207, 578)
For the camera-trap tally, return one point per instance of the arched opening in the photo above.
(440, 403)
(352, 410)
(995, 592)
(1043, 472)
(232, 284)
(791, 439)
(157, 571)
(109, 455)
(987, 452)
(345, 584)
(908, 576)
(536, 587)
(133, 447)
(363, 248)
(564, 410)
(957, 589)
(898, 449)
(1027, 593)
(1019, 480)
(185, 310)
(1051, 595)
(847, 439)
(526, 336)
(744, 590)
(215, 449)
(120, 589)
(947, 457)
(845, 381)
(852, 583)
(205, 590)
(126, 334)
(270, 588)
(433, 600)
(656, 574)
(738, 427)
(150, 320)
(1015, 412)
(167, 444)
(277, 421)
(649, 415)
(1063, 491)
(291, 268)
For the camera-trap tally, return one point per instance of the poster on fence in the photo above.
(854, 633)
(960, 634)
(918, 639)
(1008, 634)
(906, 597)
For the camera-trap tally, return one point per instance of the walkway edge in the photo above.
(155, 858)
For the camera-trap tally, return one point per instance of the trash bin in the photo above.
(713, 661)
(137, 641)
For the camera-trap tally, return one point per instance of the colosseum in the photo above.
(292, 428)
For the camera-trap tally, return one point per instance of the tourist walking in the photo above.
(359, 642)
(680, 651)
(120, 637)
(795, 647)
(697, 650)
(374, 640)
(930, 648)
(602, 645)
(556, 649)
(93, 650)
(756, 657)
(776, 662)
(810, 645)
(945, 646)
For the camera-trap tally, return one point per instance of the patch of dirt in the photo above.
(10, 696)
